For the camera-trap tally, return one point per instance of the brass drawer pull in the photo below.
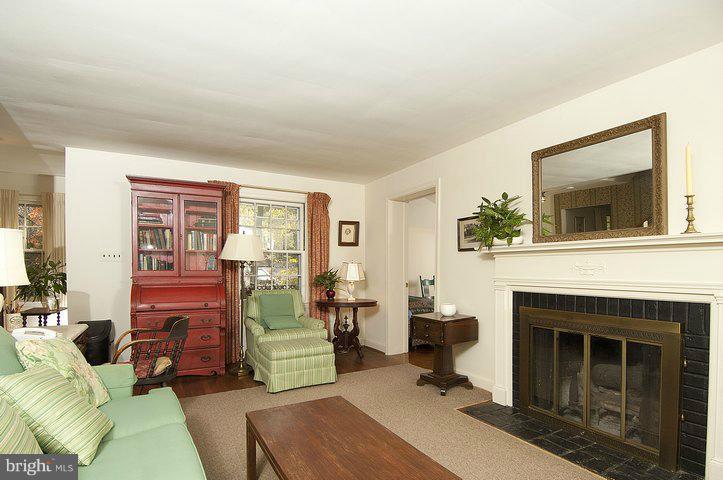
(206, 337)
(206, 320)
(206, 358)
(205, 304)
(426, 325)
(153, 307)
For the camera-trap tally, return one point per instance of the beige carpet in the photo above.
(430, 422)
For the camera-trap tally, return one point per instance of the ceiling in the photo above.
(342, 89)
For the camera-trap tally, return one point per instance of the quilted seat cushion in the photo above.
(299, 348)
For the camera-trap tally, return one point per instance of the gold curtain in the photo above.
(317, 214)
(9, 200)
(54, 226)
(234, 329)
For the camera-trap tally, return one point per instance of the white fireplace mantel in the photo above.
(671, 267)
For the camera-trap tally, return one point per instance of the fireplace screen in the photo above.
(617, 378)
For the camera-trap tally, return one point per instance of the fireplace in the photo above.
(693, 322)
(616, 378)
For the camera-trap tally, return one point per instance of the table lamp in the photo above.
(352, 272)
(12, 261)
(242, 248)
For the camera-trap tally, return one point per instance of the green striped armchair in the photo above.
(287, 358)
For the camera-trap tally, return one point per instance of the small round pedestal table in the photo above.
(345, 340)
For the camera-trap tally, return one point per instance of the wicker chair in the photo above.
(155, 354)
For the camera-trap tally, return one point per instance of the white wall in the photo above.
(688, 89)
(98, 218)
(421, 219)
(30, 184)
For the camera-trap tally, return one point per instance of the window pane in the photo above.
(294, 264)
(266, 239)
(263, 283)
(34, 238)
(278, 216)
(35, 215)
(294, 282)
(292, 217)
(292, 240)
(33, 258)
(21, 215)
(277, 239)
(246, 209)
(262, 210)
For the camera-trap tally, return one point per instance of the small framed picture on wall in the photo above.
(348, 233)
(466, 241)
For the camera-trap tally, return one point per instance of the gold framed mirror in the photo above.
(609, 184)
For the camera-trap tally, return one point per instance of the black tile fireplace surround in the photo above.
(695, 328)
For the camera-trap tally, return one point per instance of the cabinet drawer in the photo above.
(203, 337)
(427, 331)
(201, 358)
(203, 319)
(195, 319)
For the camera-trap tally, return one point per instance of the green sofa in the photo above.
(291, 357)
(149, 438)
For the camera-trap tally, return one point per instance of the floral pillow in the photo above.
(62, 355)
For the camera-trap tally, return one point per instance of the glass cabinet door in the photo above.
(201, 233)
(155, 226)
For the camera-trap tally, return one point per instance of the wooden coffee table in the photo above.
(332, 439)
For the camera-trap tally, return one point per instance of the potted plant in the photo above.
(47, 280)
(499, 220)
(328, 280)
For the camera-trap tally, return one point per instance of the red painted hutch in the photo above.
(176, 234)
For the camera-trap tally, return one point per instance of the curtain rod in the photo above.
(288, 190)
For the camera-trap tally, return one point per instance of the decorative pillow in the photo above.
(60, 418)
(280, 322)
(62, 355)
(15, 436)
(275, 305)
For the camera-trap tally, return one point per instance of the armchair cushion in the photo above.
(118, 379)
(253, 308)
(289, 334)
(312, 323)
(256, 329)
(280, 322)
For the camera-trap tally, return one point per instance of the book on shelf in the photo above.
(196, 240)
(152, 262)
(153, 218)
(205, 222)
(155, 238)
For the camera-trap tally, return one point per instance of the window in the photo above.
(30, 221)
(281, 228)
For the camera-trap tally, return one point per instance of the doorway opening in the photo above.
(412, 269)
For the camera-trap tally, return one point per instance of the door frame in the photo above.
(397, 335)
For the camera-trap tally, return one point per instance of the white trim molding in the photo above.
(674, 268)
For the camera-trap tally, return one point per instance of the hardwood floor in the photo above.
(422, 357)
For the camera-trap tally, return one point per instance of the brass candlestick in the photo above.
(691, 216)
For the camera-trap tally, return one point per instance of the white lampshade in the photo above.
(242, 247)
(12, 258)
(352, 271)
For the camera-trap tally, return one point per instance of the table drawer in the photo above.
(427, 331)
(200, 358)
(203, 337)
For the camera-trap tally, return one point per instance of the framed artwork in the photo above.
(348, 233)
(466, 241)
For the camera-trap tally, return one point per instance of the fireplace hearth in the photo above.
(598, 366)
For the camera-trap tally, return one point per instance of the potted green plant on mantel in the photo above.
(328, 280)
(47, 280)
(499, 222)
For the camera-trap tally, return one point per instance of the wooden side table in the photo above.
(345, 340)
(42, 314)
(443, 332)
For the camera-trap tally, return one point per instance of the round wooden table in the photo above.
(345, 340)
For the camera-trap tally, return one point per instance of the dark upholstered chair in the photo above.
(155, 354)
